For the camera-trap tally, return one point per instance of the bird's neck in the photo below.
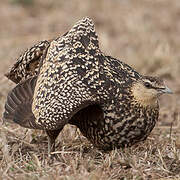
(152, 102)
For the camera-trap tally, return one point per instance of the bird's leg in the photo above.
(52, 135)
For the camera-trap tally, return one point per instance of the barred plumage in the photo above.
(27, 64)
(74, 82)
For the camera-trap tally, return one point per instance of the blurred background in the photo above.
(143, 33)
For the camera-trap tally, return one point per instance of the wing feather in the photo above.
(68, 79)
(28, 63)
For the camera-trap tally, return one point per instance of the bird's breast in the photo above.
(126, 127)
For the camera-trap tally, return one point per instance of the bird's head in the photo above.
(147, 90)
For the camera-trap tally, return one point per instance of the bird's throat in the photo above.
(144, 97)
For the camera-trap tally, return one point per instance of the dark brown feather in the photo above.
(18, 107)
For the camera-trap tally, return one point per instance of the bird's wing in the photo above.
(18, 106)
(69, 79)
(28, 63)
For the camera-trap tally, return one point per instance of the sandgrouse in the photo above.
(69, 80)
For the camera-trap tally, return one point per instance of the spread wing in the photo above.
(27, 64)
(18, 106)
(69, 78)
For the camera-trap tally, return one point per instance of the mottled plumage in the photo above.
(27, 64)
(111, 104)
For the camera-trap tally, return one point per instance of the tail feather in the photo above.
(19, 103)
(9, 111)
(11, 102)
(14, 98)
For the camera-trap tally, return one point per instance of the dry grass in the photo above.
(145, 34)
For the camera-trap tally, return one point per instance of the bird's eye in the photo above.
(147, 84)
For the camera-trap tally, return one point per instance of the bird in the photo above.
(69, 80)
(27, 64)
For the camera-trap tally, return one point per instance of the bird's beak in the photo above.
(166, 90)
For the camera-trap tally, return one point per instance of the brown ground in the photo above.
(144, 34)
